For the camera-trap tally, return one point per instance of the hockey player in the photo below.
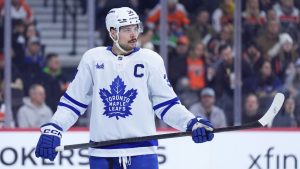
(127, 86)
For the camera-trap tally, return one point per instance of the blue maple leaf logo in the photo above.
(117, 101)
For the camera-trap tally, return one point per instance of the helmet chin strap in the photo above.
(117, 43)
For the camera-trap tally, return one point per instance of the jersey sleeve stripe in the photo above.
(54, 125)
(75, 101)
(149, 143)
(166, 110)
(160, 105)
(77, 112)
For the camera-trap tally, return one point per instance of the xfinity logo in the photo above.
(272, 160)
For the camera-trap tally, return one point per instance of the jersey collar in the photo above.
(109, 48)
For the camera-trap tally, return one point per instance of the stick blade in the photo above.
(273, 110)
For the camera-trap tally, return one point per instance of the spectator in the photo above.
(177, 60)
(16, 85)
(20, 10)
(287, 14)
(269, 39)
(33, 52)
(34, 112)
(196, 67)
(32, 63)
(177, 18)
(292, 85)
(224, 78)
(252, 14)
(252, 61)
(253, 20)
(223, 15)
(271, 15)
(251, 109)
(224, 37)
(286, 117)
(31, 32)
(18, 41)
(206, 109)
(224, 81)
(53, 80)
(201, 30)
(267, 82)
(17, 11)
(18, 31)
(286, 55)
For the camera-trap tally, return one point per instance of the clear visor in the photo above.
(136, 28)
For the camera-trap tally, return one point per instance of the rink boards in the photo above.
(254, 149)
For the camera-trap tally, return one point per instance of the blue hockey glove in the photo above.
(49, 140)
(201, 130)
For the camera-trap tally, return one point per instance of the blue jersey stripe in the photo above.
(167, 109)
(75, 101)
(77, 112)
(149, 143)
(160, 105)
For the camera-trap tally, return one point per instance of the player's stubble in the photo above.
(130, 45)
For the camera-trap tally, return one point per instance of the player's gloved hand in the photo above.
(201, 130)
(49, 140)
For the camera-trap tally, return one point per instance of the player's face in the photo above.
(128, 37)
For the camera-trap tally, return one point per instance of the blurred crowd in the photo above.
(200, 58)
(37, 79)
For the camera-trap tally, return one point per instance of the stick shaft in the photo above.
(157, 137)
(266, 119)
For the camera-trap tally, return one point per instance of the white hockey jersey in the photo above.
(126, 92)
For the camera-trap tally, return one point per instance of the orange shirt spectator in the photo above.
(196, 73)
(176, 15)
(196, 67)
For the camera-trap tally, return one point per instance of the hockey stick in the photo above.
(266, 119)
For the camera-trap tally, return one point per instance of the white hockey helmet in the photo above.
(118, 17)
(123, 16)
